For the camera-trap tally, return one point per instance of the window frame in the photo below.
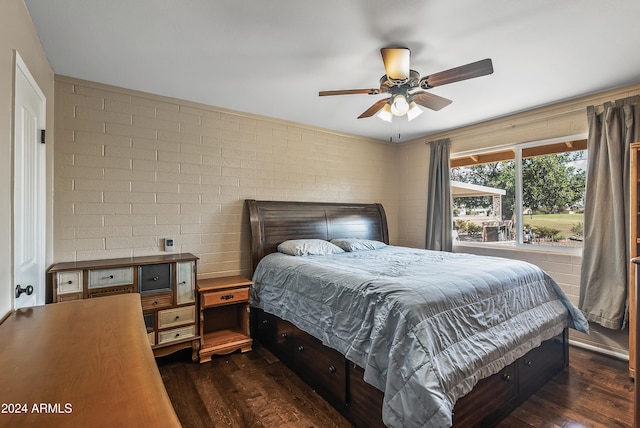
(518, 157)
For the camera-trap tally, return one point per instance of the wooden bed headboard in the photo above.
(273, 222)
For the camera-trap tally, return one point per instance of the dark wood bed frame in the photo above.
(339, 380)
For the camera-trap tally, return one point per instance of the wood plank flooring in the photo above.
(255, 389)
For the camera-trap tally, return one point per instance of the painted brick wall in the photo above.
(133, 168)
(558, 120)
(565, 269)
(561, 119)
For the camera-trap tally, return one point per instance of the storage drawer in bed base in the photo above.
(340, 381)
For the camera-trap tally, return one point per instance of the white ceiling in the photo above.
(272, 57)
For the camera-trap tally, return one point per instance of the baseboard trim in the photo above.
(609, 352)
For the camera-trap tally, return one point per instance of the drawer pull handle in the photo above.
(506, 377)
(332, 369)
(265, 322)
(300, 348)
(110, 276)
(183, 282)
(528, 363)
(155, 278)
(69, 282)
(155, 303)
(285, 335)
(177, 334)
(177, 317)
(226, 297)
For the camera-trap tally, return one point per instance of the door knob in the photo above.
(28, 289)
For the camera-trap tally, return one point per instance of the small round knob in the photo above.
(155, 278)
(155, 303)
(69, 282)
(528, 363)
(110, 276)
(284, 335)
(332, 369)
(506, 377)
(300, 348)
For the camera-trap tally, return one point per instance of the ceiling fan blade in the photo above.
(464, 72)
(431, 101)
(396, 62)
(373, 91)
(374, 108)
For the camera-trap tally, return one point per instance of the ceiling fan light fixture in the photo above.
(385, 113)
(396, 62)
(399, 106)
(407, 90)
(414, 111)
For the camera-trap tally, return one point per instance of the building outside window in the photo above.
(528, 194)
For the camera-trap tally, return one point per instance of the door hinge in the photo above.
(42, 139)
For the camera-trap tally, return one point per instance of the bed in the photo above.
(397, 336)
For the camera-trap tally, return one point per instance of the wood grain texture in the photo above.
(595, 391)
(273, 222)
(90, 354)
(250, 389)
(256, 390)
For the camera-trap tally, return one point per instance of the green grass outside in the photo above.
(562, 222)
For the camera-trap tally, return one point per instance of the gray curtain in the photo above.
(439, 215)
(605, 258)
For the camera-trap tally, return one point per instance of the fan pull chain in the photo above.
(391, 136)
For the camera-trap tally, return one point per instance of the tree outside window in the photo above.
(552, 200)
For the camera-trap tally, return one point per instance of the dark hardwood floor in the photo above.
(255, 389)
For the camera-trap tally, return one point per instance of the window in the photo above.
(529, 194)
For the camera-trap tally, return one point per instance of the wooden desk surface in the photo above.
(82, 363)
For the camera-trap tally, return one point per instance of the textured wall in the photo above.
(133, 168)
(558, 120)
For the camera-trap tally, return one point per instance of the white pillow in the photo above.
(357, 244)
(308, 247)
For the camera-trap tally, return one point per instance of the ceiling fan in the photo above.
(408, 89)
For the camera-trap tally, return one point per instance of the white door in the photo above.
(29, 163)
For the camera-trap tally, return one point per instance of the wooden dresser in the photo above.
(83, 364)
(166, 284)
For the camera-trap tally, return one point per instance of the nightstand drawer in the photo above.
(70, 282)
(109, 277)
(176, 334)
(225, 297)
(175, 317)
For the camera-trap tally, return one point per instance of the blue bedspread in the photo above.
(426, 326)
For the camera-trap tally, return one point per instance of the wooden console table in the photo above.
(85, 364)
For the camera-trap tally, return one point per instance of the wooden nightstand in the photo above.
(224, 316)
